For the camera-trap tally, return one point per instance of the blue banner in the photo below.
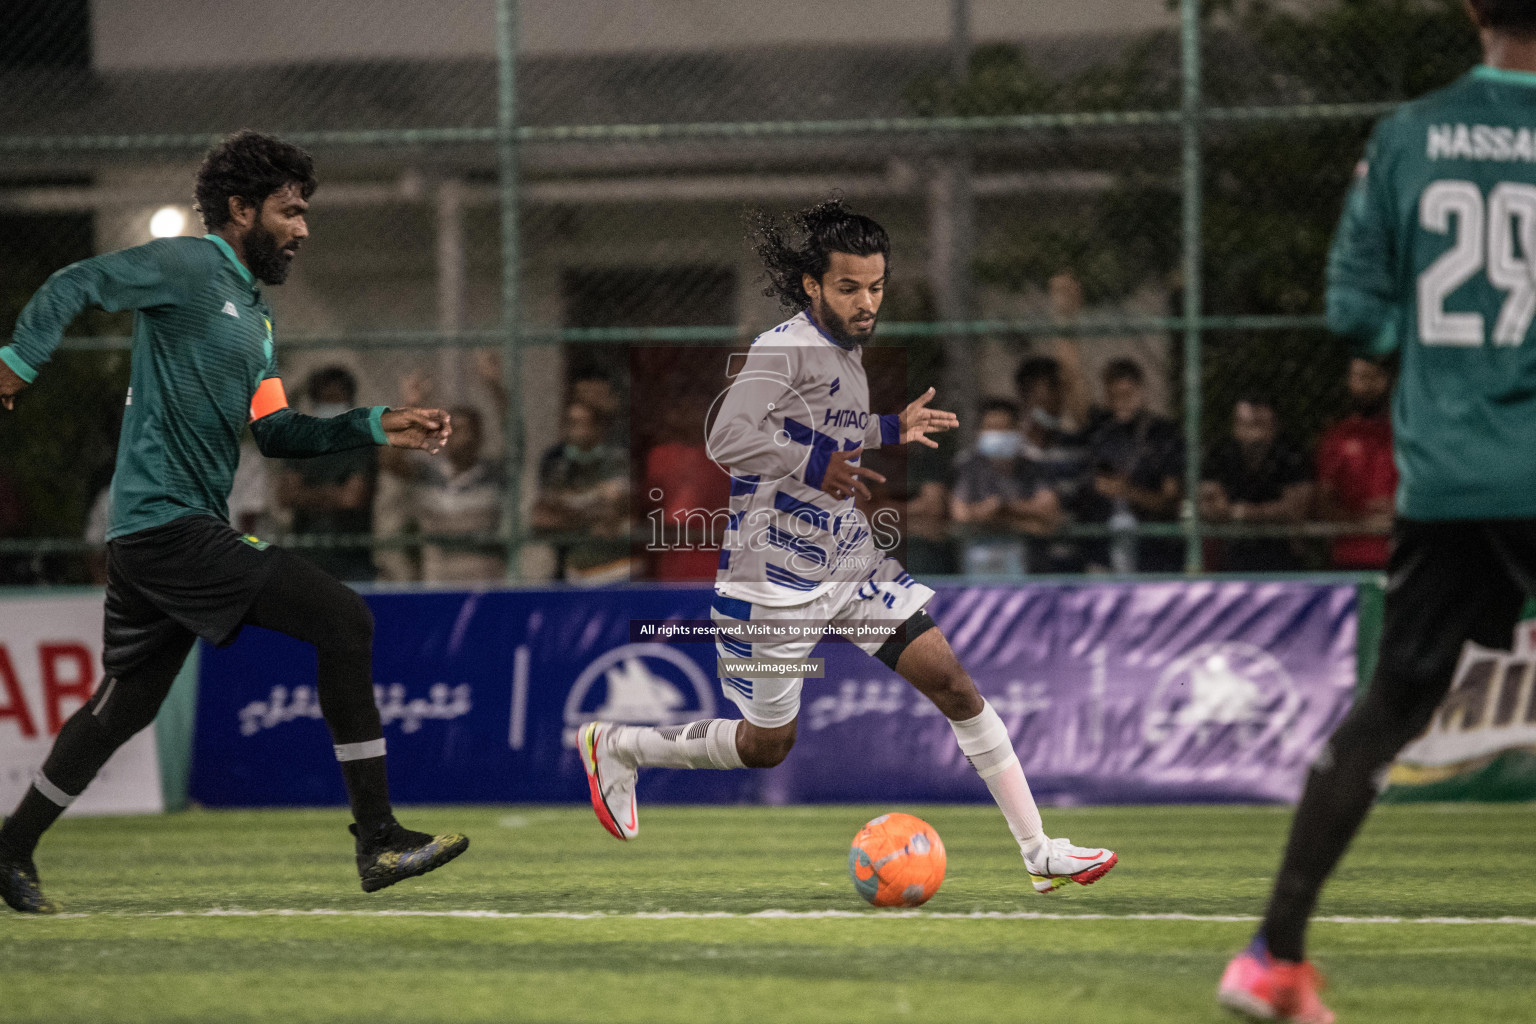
(1114, 693)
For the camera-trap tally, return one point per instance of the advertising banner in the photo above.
(1481, 744)
(1203, 691)
(50, 664)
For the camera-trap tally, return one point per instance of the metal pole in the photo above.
(959, 38)
(952, 239)
(450, 280)
(511, 256)
(1189, 16)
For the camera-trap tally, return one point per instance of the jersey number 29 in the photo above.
(1486, 236)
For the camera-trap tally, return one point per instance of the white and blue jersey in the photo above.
(794, 399)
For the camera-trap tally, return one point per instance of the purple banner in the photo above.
(1114, 693)
(1119, 693)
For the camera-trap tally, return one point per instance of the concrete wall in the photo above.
(200, 33)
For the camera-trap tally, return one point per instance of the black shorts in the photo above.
(193, 575)
(1448, 582)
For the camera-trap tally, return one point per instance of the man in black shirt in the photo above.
(1138, 466)
(1254, 477)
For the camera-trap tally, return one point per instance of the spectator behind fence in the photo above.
(1356, 477)
(396, 511)
(597, 391)
(689, 498)
(925, 517)
(584, 490)
(998, 490)
(332, 495)
(1253, 477)
(1055, 408)
(1138, 468)
(460, 495)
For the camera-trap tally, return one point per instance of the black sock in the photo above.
(81, 748)
(368, 792)
(20, 833)
(1341, 787)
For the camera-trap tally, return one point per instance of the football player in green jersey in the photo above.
(1434, 259)
(204, 368)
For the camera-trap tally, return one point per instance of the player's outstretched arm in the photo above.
(282, 433)
(423, 429)
(157, 274)
(918, 421)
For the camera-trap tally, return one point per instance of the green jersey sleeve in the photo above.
(1361, 290)
(286, 434)
(160, 273)
(282, 433)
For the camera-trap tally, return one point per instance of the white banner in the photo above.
(50, 664)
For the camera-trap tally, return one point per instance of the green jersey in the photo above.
(202, 349)
(1435, 258)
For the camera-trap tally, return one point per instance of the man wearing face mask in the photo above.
(332, 495)
(999, 490)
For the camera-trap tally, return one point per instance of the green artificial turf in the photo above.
(146, 947)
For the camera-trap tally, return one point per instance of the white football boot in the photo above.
(611, 777)
(1059, 862)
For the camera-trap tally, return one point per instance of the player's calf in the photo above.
(931, 666)
(613, 754)
(764, 748)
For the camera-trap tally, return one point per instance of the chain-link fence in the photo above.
(510, 233)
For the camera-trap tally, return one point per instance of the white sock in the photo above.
(984, 742)
(707, 744)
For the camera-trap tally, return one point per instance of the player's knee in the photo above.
(112, 724)
(765, 748)
(354, 620)
(1371, 735)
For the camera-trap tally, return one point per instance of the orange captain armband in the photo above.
(269, 398)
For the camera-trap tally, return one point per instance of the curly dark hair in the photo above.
(1514, 16)
(803, 243)
(252, 166)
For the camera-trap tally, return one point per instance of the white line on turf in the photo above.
(790, 915)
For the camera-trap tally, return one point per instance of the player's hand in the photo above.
(425, 429)
(918, 421)
(844, 480)
(11, 385)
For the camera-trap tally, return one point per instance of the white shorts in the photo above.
(888, 599)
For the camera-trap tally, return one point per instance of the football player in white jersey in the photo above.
(790, 431)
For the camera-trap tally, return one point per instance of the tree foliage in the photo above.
(1271, 189)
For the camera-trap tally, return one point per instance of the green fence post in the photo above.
(1189, 25)
(511, 256)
